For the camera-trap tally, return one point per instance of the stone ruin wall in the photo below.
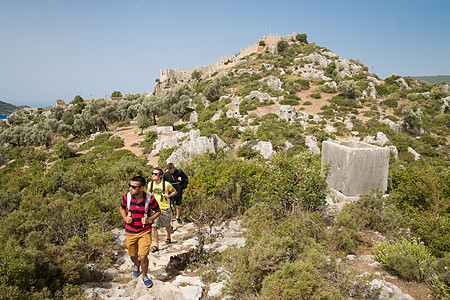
(222, 63)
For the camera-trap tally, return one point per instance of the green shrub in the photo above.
(290, 101)
(247, 152)
(315, 95)
(381, 90)
(307, 103)
(299, 280)
(345, 241)
(281, 46)
(164, 154)
(419, 188)
(365, 213)
(433, 230)
(392, 103)
(410, 259)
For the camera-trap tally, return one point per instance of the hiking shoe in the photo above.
(179, 221)
(137, 270)
(147, 282)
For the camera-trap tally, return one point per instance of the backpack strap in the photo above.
(147, 203)
(128, 203)
(163, 188)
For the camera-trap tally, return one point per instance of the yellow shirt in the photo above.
(163, 203)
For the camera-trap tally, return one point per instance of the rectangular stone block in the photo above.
(355, 167)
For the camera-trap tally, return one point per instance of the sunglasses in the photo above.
(157, 174)
(134, 186)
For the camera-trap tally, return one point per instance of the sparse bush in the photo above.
(299, 280)
(301, 37)
(315, 95)
(390, 103)
(410, 259)
(281, 46)
(365, 213)
(247, 152)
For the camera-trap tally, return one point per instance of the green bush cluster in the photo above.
(278, 131)
(285, 258)
(55, 220)
(410, 259)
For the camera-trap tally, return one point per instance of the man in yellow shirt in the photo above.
(162, 191)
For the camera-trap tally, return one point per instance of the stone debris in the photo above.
(121, 284)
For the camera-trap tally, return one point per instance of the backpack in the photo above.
(147, 202)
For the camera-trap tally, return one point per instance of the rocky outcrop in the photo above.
(193, 145)
(193, 118)
(260, 96)
(265, 148)
(381, 139)
(274, 83)
(311, 142)
(444, 104)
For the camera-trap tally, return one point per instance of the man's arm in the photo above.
(126, 218)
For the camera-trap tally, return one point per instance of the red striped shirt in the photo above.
(137, 213)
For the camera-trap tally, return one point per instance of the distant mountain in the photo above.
(433, 79)
(7, 108)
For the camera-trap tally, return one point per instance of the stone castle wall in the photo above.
(226, 62)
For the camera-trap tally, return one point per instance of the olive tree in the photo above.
(347, 88)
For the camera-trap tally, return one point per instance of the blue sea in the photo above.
(3, 117)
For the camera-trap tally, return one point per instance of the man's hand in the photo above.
(129, 219)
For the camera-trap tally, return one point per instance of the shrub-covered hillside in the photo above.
(64, 172)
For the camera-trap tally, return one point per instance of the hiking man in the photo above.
(179, 181)
(162, 191)
(136, 207)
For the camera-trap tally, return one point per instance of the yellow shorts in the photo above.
(139, 244)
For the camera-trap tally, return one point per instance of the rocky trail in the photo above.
(172, 280)
(168, 281)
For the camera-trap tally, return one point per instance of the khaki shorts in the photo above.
(139, 243)
(164, 219)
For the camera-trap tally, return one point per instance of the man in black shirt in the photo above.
(179, 181)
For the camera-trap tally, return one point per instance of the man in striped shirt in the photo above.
(138, 225)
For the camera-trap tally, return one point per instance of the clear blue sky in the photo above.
(56, 49)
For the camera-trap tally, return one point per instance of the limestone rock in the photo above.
(380, 140)
(413, 152)
(194, 117)
(389, 290)
(311, 142)
(398, 128)
(274, 83)
(195, 144)
(374, 80)
(347, 68)
(348, 123)
(261, 96)
(403, 83)
(320, 60)
(444, 104)
(265, 148)
(287, 113)
(215, 117)
(310, 71)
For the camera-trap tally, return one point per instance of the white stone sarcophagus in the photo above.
(355, 167)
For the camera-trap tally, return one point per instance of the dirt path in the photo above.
(132, 137)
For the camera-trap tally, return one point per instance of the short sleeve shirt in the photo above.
(163, 203)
